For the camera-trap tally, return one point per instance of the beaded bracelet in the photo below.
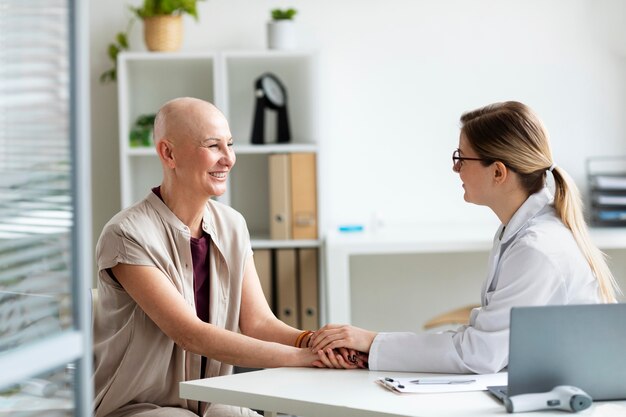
(301, 337)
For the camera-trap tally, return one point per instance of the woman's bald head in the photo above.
(186, 118)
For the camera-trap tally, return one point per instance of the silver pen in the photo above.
(425, 381)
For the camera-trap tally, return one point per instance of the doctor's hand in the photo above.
(334, 336)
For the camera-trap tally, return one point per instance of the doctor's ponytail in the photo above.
(568, 206)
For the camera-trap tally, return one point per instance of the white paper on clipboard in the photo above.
(435, 384)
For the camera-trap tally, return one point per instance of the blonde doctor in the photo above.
(541, 252)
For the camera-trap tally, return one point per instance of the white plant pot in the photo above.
(281, 34)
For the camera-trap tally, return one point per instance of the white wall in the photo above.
(396, 75)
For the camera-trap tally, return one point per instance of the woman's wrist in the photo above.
(303, 339)
(370, 341)
(306, 340)
(301, 357)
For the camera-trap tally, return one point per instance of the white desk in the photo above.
(339, 247)
(309, 392)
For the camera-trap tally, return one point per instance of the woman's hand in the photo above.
(304, 357)
(334, 336)
(341, 358)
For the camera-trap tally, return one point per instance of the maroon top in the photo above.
(200, 257)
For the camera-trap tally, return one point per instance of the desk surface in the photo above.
(429, 238)
(310, 392)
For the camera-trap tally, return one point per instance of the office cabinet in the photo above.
(607, 191)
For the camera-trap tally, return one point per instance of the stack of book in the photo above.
(607, 188)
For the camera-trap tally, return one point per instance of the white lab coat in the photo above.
(536, 261)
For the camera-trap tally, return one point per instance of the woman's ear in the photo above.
(165, 152)
(500, 172)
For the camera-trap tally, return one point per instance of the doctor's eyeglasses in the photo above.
(457, 160)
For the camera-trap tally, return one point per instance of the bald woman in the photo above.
(179, 296)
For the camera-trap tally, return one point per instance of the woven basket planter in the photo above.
(163, 33)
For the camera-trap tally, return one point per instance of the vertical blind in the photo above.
(35, 171)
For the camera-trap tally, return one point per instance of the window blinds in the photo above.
(35, 171)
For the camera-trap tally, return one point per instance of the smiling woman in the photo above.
(178, 267)
(194, 143)
(474, 173)
(512, 140)
(541, 253)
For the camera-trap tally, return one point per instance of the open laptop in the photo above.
(579, 345)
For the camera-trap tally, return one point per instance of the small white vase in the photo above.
(281, 34)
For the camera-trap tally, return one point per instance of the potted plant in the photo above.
(118, 45)
(281, 29)
(163, 29)
(163, 26)
(141, 131)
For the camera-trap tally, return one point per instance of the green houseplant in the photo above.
(152, 8)
(141, 131)
(283, 14)
(113, 49)
(162, 29)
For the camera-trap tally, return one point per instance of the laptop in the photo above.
(579, 345)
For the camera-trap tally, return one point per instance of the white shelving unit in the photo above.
(227, 79)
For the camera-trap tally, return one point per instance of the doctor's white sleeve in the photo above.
(526, 277)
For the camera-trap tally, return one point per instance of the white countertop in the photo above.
(443, 238)
(309, 392)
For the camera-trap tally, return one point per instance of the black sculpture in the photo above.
(270, 94)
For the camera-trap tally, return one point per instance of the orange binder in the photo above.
(263, 264)
(280, 196)
(308, 280)
(287, 293)
(303, 196)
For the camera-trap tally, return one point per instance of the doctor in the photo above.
(541, 254)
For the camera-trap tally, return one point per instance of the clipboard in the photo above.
(441, 384)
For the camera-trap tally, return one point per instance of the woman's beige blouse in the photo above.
(134, 361)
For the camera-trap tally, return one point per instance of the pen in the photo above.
(442, 381)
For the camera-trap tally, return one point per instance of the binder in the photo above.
(303, 196)
(263, 263)
(287, 293)
(308, 283)
(280, 196)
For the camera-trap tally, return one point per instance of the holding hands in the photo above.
(341, 346)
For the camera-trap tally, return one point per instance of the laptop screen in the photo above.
(579, 345)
